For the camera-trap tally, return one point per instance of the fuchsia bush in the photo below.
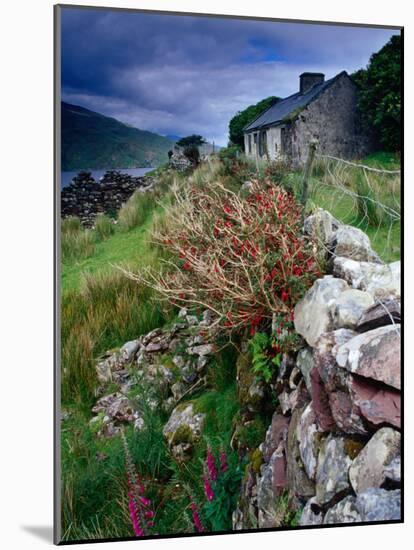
(243, 258)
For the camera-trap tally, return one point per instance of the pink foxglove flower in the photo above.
(208, 490)
(223, 462)
(196, 518)
(139, 505)
(211, 465)
(145, 501)
(134, 516)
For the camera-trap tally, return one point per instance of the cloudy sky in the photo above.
(182, 74)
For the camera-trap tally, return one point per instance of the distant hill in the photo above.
(173, 137)
(94, 141)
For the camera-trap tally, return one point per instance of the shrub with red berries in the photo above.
(243, 258)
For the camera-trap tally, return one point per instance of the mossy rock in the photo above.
(182, 435)
(245, 377)
(250, 434)
(353, 447)
(256, 460)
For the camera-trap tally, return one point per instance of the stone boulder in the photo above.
(392, 472)
(271, 485)
(112, 411)
(276, 433)
(374, 354)
(115, 361)
(368, 469)
(300, 486)
(312, 513)
(381, 313)
(379, 505)
(332, 470)
(382, 281)
(183, 430)
(310, 439)
(349, 307)
(313, 313)
(351, 242)
(321, 226)
(376, 403)
(305, 363)
(320, 402)
(290, 400)
(345, 511)
(331, 400)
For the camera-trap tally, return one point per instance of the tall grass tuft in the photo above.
(136, 210)
(109, 310)
(366, 200)
(71, 224)
(103, 226)
(76, 242)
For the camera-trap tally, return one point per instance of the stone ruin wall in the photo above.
(331, 120)
(333, 446)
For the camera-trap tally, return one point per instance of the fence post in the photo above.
(308, 170)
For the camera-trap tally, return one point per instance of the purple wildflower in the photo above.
(134, 516)
(208, 490)
(223, 462)
(196, 518)
(211, 465)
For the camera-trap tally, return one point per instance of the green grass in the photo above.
(104, 227)
(136, 210)
(384, 233)
(122, 247)
(385, 239)
(102, 309)
(383, 159)
(76, 242)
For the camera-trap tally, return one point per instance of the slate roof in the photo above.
(285, 107)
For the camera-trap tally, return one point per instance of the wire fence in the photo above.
(364, 196)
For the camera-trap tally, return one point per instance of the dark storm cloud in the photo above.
(178, 74)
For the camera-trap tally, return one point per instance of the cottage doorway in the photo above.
(282, 140)
(262, 143)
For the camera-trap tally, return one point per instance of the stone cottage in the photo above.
(324, 110)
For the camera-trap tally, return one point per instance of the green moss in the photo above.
(245, 377)
(256, 460)
(182, 435)
(353, 447)
(252, 433)
(294, 114)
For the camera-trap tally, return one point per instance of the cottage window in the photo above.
(276, 148)
(249, 142)
(255, 138)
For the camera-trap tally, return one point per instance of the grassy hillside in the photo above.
(93, 141)
(101, 309)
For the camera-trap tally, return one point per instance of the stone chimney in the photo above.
(309, 80)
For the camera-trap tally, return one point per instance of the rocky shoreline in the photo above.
(85, 197)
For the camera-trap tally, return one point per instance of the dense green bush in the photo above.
(245, 117)
(380, 95)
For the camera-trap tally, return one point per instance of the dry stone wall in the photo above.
(333, 446)
(332, 452)
(85, 197)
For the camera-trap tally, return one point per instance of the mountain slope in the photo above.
(94, 141)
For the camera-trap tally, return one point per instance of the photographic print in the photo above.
(228, 247)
